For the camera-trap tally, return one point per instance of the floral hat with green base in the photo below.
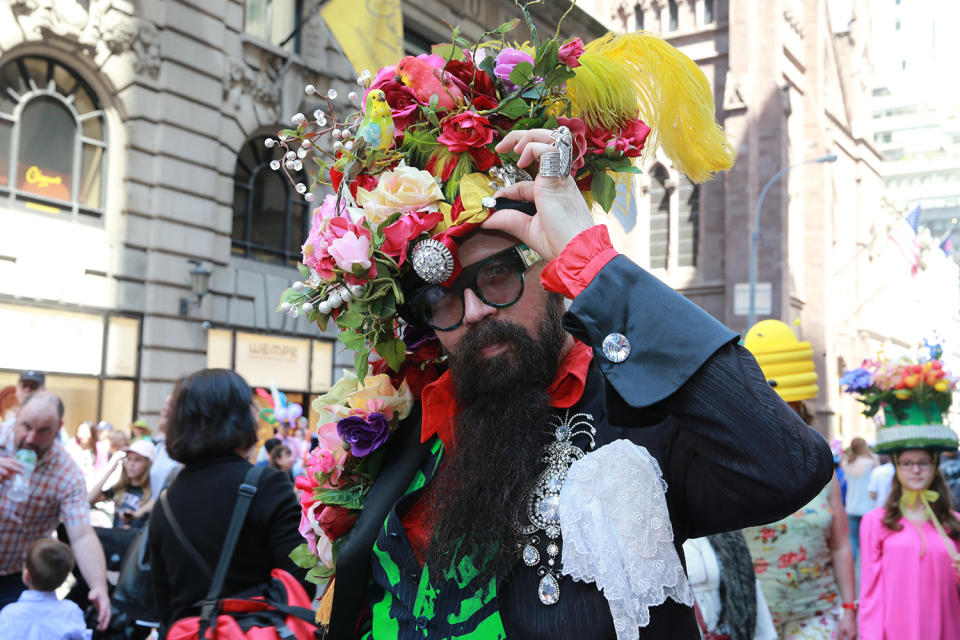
(414, 170)
(914, 394)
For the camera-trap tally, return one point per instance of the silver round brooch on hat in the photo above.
(432, 260)
(557, 163)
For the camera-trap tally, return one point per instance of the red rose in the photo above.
(466, 73)
(570, 53)
(336, 521)
(365, 180)
(628, 140)
(465, 131)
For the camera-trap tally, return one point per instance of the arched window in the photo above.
(270, 220)
(688, 222)
(659, 217)
(53, 143)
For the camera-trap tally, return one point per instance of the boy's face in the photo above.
(285, 461)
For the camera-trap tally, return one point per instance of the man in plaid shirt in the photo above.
(57, 494)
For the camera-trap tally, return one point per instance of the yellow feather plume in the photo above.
(624, 76)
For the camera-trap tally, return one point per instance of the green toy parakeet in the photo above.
(377, 126)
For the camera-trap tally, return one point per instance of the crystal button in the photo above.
(530, 555)
(616, 347)
(549, 508)
(549, 590)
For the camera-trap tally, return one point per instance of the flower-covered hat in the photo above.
(914, 395)
(786, 362)
(413, 172)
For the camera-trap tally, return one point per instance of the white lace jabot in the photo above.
(617, 533)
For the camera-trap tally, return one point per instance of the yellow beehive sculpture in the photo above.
(786, 362)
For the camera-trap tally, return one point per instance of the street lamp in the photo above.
(755, 236)
(199, 285)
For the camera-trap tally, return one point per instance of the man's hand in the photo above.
(562, 212)
(848, 625)
(98, 596)
(9, 467)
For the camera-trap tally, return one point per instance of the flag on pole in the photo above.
(370, 32)
(904, 235)
(946, 243)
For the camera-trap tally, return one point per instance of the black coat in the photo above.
(732, 452)
(202, 498)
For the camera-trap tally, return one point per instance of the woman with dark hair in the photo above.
(211, 429)
(910, 556)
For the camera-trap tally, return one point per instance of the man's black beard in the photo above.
(500, 434)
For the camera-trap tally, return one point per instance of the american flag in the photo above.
(946, 243)
(904, 235)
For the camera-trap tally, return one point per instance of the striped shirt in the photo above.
(57, 494)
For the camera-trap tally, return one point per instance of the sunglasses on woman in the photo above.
(496, 280)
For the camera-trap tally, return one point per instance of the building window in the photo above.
(897, 27)
(659, 217)
(270, 218)
(414, 43)
(53, 143)
(276, 21)
(708, 15)
(688, 222)
(638, 16)
(674, 15)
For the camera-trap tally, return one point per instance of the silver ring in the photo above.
(557, 164)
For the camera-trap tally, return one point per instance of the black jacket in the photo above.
(202, 498)
(732, 452)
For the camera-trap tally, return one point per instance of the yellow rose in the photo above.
(403, 189)
(941, 385)
(902, 394)
(380, 388)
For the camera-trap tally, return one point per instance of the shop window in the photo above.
(52, 138)
(688, 222)
(659, 217)
(276, 21)
(270, 219)
(674, 15)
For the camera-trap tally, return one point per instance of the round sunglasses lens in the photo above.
(442, 308)
(500, 283)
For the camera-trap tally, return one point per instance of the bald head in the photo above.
(38, 421)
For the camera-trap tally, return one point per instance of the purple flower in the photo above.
(364, 435)
(414, 336)
(856, 380)
(507, 60)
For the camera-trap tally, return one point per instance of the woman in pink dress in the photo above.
(910, 563)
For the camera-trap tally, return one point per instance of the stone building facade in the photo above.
(131, 143)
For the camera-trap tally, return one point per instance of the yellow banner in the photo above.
(369, 31)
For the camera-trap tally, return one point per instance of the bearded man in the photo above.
(550, 477)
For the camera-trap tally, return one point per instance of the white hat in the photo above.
(144, 448)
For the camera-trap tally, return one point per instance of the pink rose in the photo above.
(507, 60)
(408, 227)
(570, 53)
(351, 251)
(465, 131)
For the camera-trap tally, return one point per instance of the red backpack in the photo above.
(276, 610)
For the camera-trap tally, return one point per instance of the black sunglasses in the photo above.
(497, 280)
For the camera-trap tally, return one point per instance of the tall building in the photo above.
(144, 234)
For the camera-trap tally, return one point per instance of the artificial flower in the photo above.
(570, 53)
(364, 435)
(402, 190)
(399, 234)
(351, 251)
(628, 140)
(335, 521)
(507, 60)
(473, 79)
(578, 131)
(465, 131)
(379, 387)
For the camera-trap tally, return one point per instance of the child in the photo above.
(39, 613)
(131, 495)
(281, 458)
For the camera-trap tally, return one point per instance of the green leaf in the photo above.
(302, 557)
(521, 73)
(604, 189)
(304, 270)
(448, 51)
(393, 350)
(352, 340)
(513, 108)
(320, 574)
(289, 133)
(350, 319)
(350, 498)
(360, 363)
(488, 64)
(558, 76)
(547, 58)
(507, 27)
